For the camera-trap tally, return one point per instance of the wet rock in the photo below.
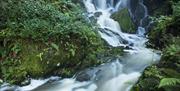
(26, 82)
(158, 7)
(125, 21)
(87, 74)
(83, 77)
(140, 14)
(97, 14)
(133, 5)
(141, 10)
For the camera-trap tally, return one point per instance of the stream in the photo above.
(120, 74)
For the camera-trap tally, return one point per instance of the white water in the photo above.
(120, 74)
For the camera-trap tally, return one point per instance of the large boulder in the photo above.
(124, 19)
(141, 10)
(139, 13)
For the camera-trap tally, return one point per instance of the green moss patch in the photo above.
(124, 19)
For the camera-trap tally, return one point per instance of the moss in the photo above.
(126, 22)
(28, 58)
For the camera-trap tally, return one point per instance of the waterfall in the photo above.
(120, 74)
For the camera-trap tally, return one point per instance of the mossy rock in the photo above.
(124, 19)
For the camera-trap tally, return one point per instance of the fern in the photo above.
(169, 82)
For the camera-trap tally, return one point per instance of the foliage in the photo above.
(150, 80)
(176, 9)
(153, 71)
(158, 36)
(169, 82)
(43, 38)
(40, 19)
(165, 75)
(171, 53)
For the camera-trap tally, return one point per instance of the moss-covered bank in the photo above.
(44, 38)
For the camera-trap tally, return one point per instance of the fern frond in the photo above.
(169, 82)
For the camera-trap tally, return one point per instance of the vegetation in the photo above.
(41, 38)
(165, 36)
(44, 38)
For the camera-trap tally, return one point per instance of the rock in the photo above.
(97, 14)
(158, 7)
(84, 76)
(26, 82)
(141, 10)
(125, 21)
(138, 12)
(133, 5)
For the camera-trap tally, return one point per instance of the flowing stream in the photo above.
(120, 74)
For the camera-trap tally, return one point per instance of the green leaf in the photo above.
(169, 82)
(55, 46)
(72, 52)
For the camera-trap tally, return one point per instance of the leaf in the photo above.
(72, 52)
(40, 56)
(169, 82)
(55, 46)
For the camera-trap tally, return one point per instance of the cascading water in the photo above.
(120, 74)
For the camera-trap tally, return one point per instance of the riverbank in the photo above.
(165, 36)
(39, 39)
